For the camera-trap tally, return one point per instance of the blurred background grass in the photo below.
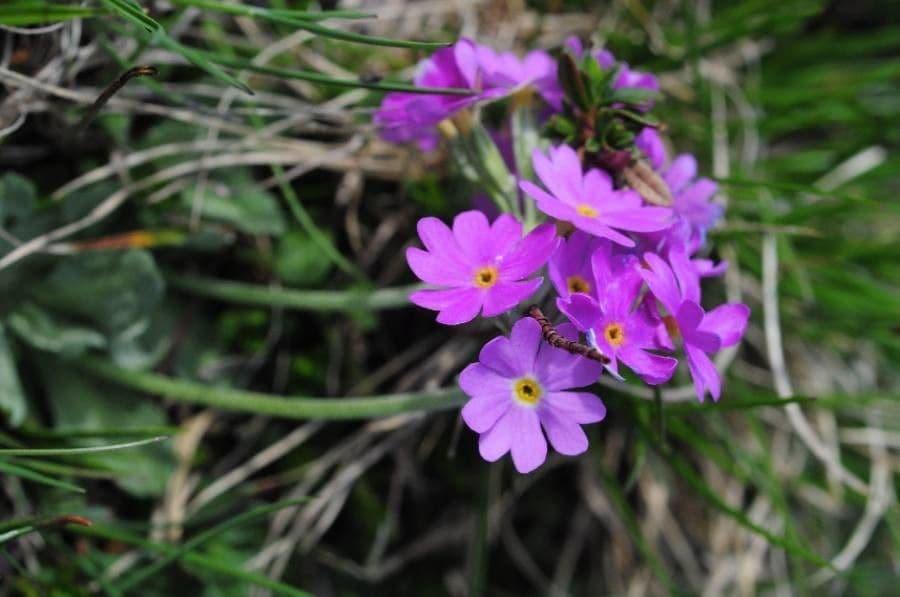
(196, 262)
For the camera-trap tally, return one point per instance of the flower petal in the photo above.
(529, 448)
(496, 441)
(530, 254)
(652, 368)
(581, 310)
(505, 235)
(484, 410)
(661, 281)
(580, 407)
(639, 219)
(566, 436)
(498, 354)
(433, 269)
(456, 305)
(525, 340)
(560, 370)
(703, 372)
(728, 322)
(472, 233)
(681, 172)
(503, 296)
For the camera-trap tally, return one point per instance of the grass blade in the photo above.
(8, 468)
(85, 450)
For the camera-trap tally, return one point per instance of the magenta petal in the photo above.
(706, 268)
(650, 143)
(581, 310)
(685, 273)
(640, 219)
(689, 316)
(531, 253)
(438, 239)
(703, 372)
(728, 322)
(580, 407)
(496, 441)
(435, 270)
(472, 233)
(503, 296)
(565, 435)
(529, 448)
(661, 281)
(525, 340)
(506, 233)
(456, 305)
(653, 369)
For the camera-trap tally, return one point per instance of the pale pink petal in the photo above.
(565, 435)
(580, 407)
(529, 448)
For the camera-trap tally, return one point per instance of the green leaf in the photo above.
(12, 398)
(44, 330)
(237, 200)
(79, 403)
(23, 13)
(298, 261)
(118, 293)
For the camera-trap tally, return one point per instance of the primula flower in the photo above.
(589, 201)
(483, 266)
(695, 212)
(519, 386)
(612, 324)
(569, 267)
(405, 117)
(505, 70)
(678, 289)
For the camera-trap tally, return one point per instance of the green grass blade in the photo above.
(22, 14)
(72, 451)
(8, 468)
(266, 13)
(226, 569)
(140, 576)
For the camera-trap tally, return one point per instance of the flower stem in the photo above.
(305, 300)
(296, 407)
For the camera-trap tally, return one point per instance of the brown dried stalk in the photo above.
(557, 340)
(649, 185)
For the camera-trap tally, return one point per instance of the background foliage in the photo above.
(223, 270)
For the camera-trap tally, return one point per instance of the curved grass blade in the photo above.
(85, 450)
(309, 25)
(266, 404)
(140, 576)
(266, 13)
(21, 14)
(8, 468)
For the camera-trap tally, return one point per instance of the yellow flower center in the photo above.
(528, 391)
(587, 211)
(577, 284)
(486, 276)
(614, 334)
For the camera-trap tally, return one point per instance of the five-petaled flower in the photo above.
(482, 266)
(521, 384)
(589, 201)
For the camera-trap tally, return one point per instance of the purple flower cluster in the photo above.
(624, 272)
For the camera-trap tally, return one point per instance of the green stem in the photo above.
(304, 300)
(660, 416)
(265, 404)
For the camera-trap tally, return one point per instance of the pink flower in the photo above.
(519, 386)
(611, 322)
(505, 70)
(482, 266)
(677, 287)
(589, 201)
(569, 267)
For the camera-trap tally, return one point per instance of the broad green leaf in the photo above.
(298, 260)
(78, 403)
(45, 330)
(12, 397)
